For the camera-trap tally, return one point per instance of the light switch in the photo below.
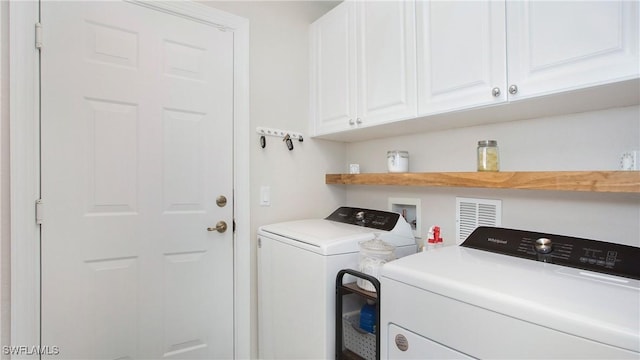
(265, 196)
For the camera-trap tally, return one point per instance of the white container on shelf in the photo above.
(398, 161)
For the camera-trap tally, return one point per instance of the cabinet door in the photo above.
(555, 46)
(461, 54)
(333, 70)
(386, 61)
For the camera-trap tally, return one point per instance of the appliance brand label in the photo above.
(497, 241)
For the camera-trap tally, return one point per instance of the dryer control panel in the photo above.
(592, 255)
(376, 219)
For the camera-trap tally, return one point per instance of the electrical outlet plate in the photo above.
(629, 160)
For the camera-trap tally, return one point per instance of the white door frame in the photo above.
(25, 175)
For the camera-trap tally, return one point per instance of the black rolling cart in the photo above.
(351, 341)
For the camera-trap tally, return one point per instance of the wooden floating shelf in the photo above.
(595, 181)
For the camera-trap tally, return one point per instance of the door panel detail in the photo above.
(113, 149)
(183, 156)
(184, 61)
(111, 45)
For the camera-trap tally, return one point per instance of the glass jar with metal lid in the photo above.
(488, 156)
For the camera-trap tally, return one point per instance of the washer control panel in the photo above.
(376, 219)
(592, 255)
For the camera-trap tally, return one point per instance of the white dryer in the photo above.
(297, 266)
(488, 299)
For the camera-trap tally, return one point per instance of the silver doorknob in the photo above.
(513, 89)
(495, 91)
(351, 122)
(221, 227)
(221, 201)
(358, 121)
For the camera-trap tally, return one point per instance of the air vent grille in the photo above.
(471, 213)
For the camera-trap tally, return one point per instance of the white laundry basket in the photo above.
(357, 340)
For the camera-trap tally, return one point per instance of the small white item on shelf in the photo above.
(397, 161)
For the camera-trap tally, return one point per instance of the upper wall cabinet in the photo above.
(555, 46)
(534, 58)
(363, 66)
(468, 57)
(461, 54)
(386, 61)
(333, 76)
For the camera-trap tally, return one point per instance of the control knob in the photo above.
(360, 215)
(543, 245)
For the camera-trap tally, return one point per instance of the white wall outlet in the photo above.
(629, 160)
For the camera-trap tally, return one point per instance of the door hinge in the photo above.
(38, 35)
(39, 212)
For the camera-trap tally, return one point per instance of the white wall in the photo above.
(279, 76)
(584, 141)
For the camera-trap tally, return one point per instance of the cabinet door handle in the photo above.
(358, 121)
(351, 122)
(495, 91)
(513, 89)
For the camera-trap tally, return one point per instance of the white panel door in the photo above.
(386, 61)
(333, 75)
(563, 45)
(136, 146)
(461, 55)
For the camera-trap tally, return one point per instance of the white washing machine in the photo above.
(297, 266)
(488, 299)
